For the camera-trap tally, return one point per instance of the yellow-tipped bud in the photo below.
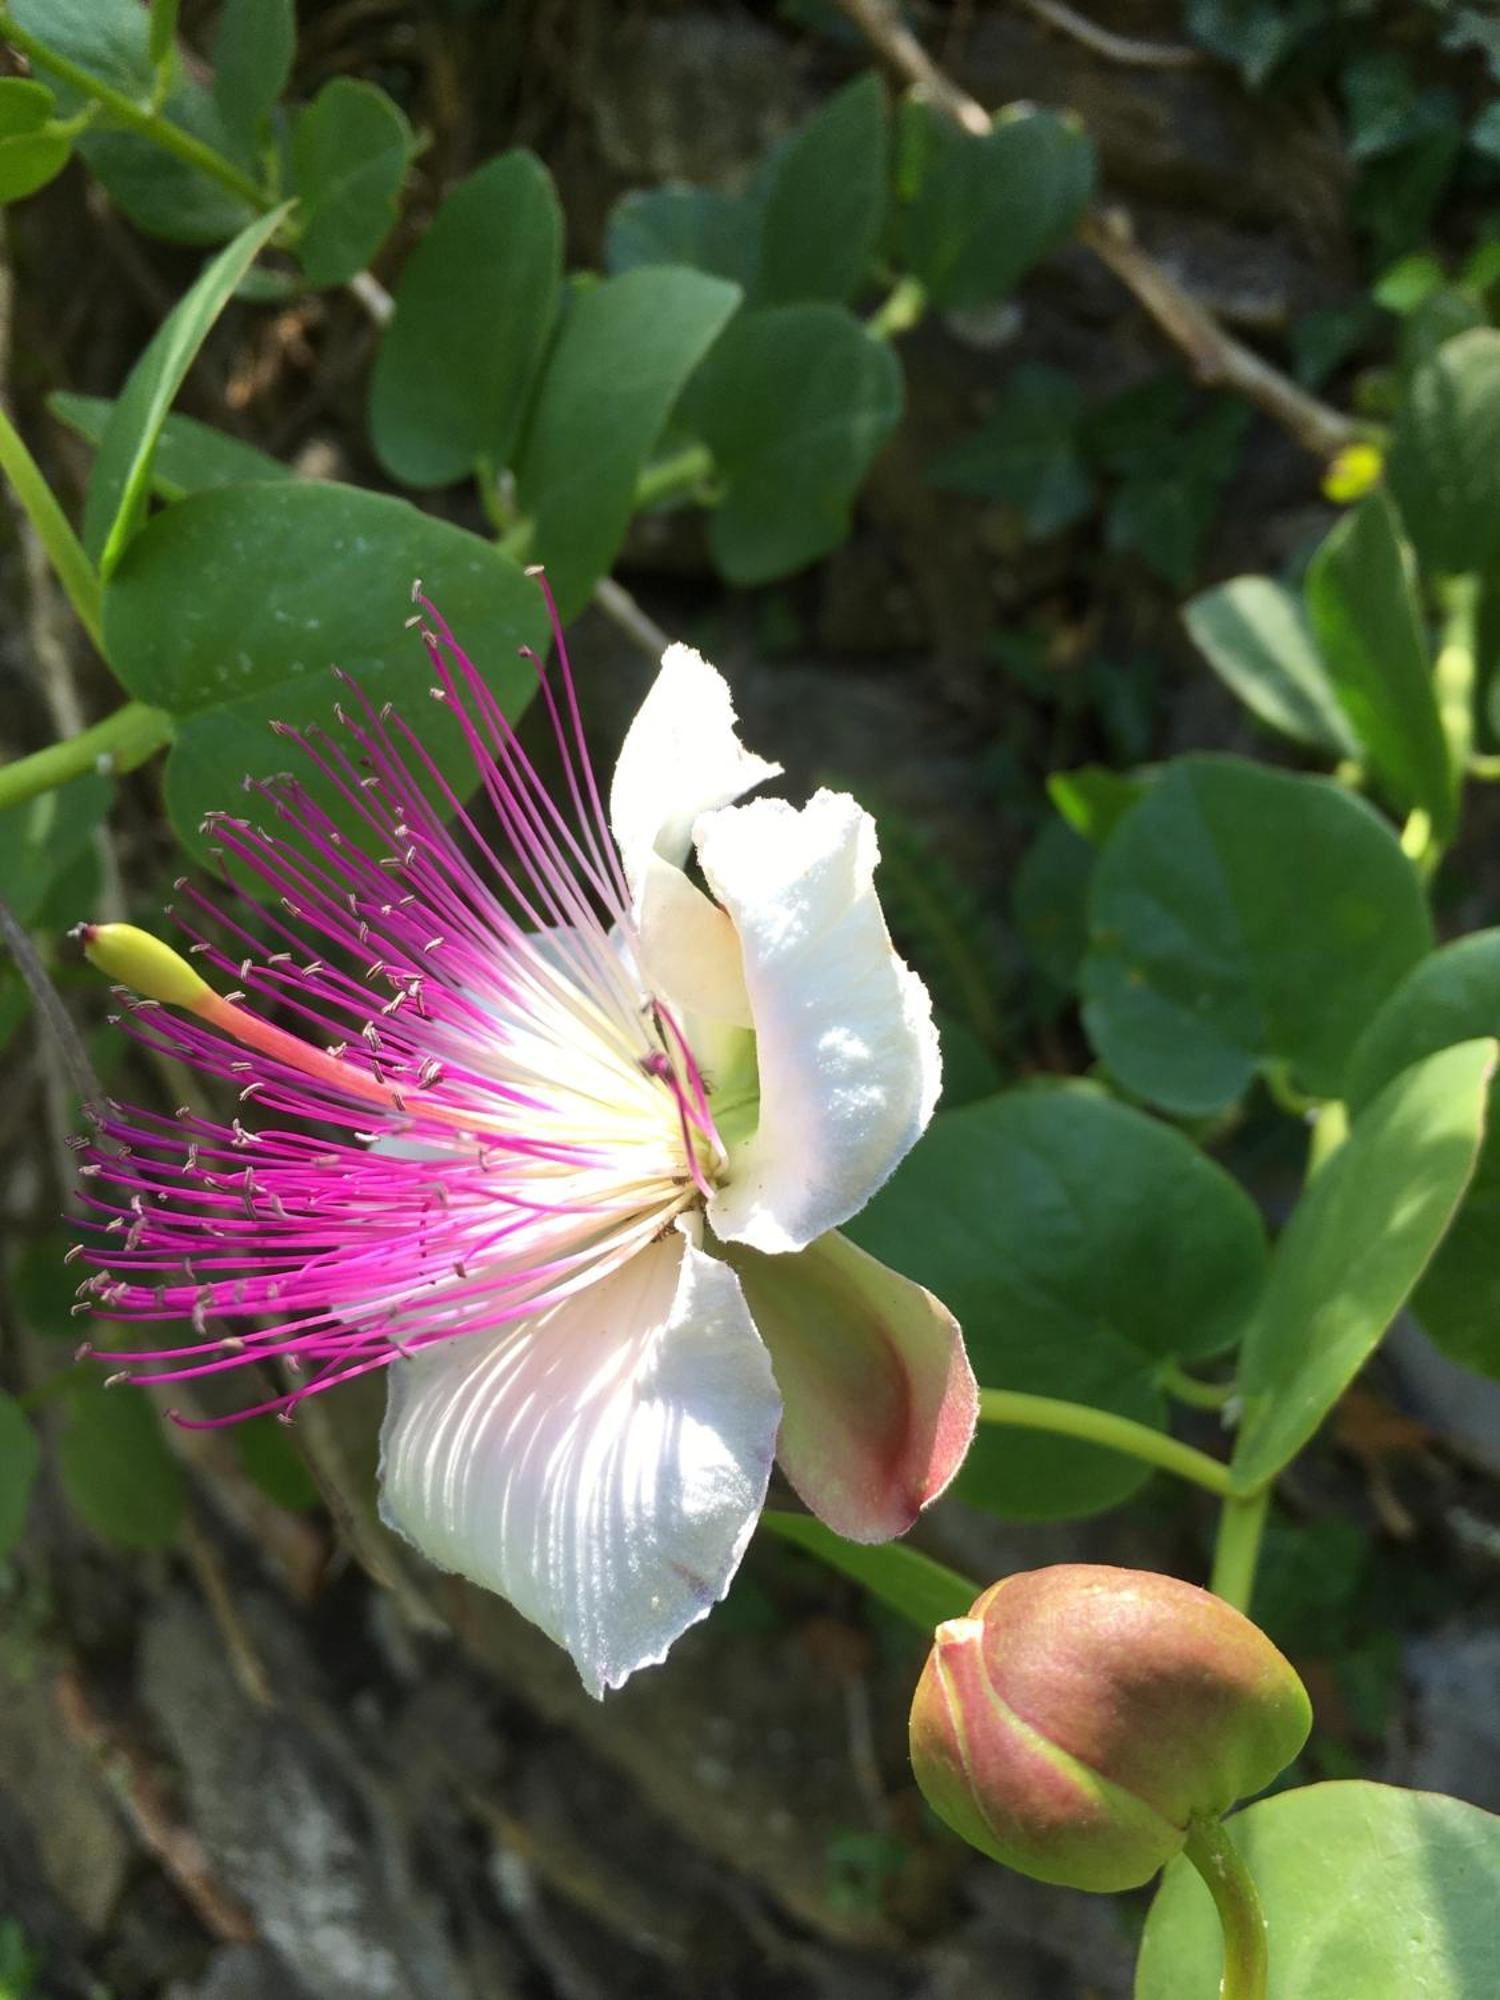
(135, 959)
(1353, 473)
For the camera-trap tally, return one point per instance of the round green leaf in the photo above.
(1049, 901)
(242, 588)
(349, 154)
(269, 1458)
(979, 212)
(1445, 455)
(255, 42)
(1242, 918)
(19, 1460)
(713, 232)
(825, 202)
(794, 403)
(1358, 1241)
(1369, 1893)
(30, 156)
(115, 1467)
(1363, 603)
(617, 367)
(1081, 1245)
(1451, 997)
(1255, 636)
(474, 309)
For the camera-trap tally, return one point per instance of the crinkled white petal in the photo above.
(687, 947)
(680, 758)
(601, 1466)
(847, 1051)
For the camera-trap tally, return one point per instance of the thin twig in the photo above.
(143, 1796)
(49, 1005)
(1124, 49)
(1216, 356)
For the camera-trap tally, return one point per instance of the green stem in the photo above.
(1242, 1524)
(149, 123)
(1454, 673)
(1329, 1131)
(118, 743)
(1230, 1883)
(902, 309)
(1188, 1389)
(673, 478)
(1090, 1426)
(73, 569)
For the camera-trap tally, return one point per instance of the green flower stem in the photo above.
(905, 305)
(148, 122)
(1242, 1524)
(1090, 1426)
(73, 569)
(1232, 1887)
(1188, 1389)
(118, 743)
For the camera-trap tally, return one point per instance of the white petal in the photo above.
(680, 757)
(602, 1466)
(687, 947)
(848, 1055)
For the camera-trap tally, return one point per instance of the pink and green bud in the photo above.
(1080, 1717)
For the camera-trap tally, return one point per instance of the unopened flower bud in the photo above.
(1076, 1721)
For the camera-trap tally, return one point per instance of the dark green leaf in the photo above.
(1081, 1244)
(474, 308)
(160, 193)
(118, 484)
(241, 588)
(189, 456)
(1255, 35)
(619, 364)
(269, 1457)
(350, 148)
(1172, 491)
(248, 595)
(910, 1583)
(825, 203)
(716, 233)
(1254, 634)
(115, 1467)
(1050, 901)
(1358, 1241)
(1242, 918)
(19, 1460)
(109, 38)
(254, 44)
(30, 156)
(163, 30)
(1445, 455)
(979, 212)
(1450, 997)
(794, 402)
(1368, 1891)
(1026, 452)
(1362, 600)
(40, 840)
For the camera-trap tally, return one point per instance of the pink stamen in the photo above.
(549, 1116)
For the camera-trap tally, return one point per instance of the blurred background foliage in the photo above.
(1078, 547)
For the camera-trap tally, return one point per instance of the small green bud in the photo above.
(136, 959)
(1076, 1721)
